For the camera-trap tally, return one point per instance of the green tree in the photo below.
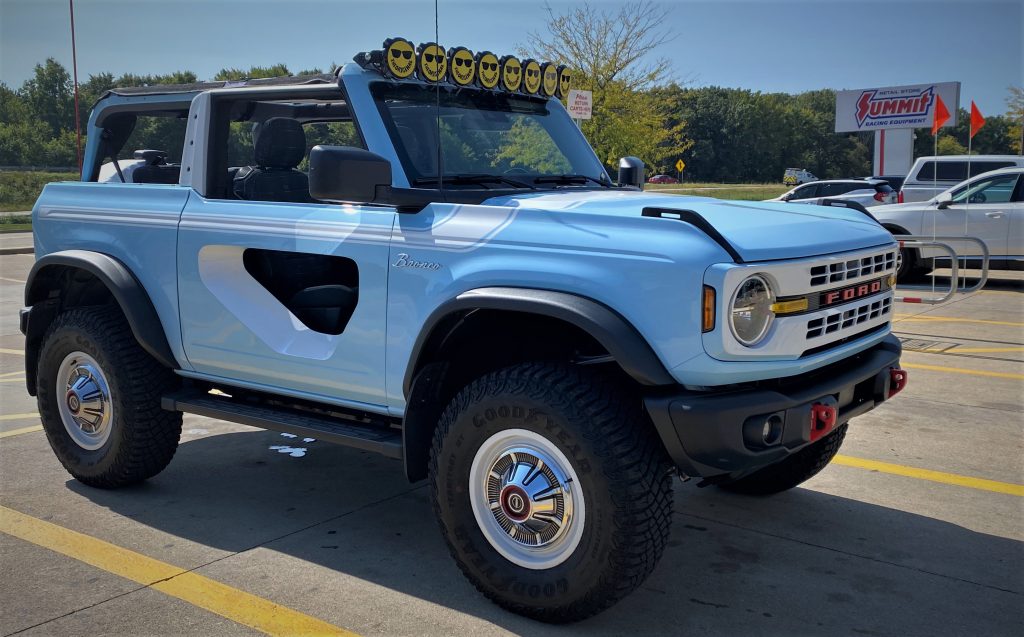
(1015, 115)
(611, 54)
(948, 145)
(50, 96)
(277, 70)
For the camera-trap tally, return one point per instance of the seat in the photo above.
(279, 145)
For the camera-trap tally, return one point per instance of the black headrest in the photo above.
(280, 143)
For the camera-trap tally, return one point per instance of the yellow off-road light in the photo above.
(488, 70)
(708, 309)
(511, 73)
(789, 307)
(462, 66)
(399, 58)
(431, 62)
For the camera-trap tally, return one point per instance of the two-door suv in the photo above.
(422, 257)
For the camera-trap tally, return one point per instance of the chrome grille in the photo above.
(852, 269)
(841, 320)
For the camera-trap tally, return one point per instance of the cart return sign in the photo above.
(894, 106)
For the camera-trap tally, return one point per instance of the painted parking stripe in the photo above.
(18, 432)
(959, 370)
(15, 352)
(13, 380)
(236, 605)
(34, 414)
(905, 318)
(932, 476)
(985, 350)
(9, 374)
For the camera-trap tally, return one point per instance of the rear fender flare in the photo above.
(42, 295)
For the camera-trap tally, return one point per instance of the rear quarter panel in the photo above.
(134, 223)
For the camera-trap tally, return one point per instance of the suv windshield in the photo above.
(488, 139)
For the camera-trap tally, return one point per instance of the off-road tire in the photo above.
(794, 470)
(622, 470)
(143, 437)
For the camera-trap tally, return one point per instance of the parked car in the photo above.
(931, 175)
(989, 206)
(796, 176)
(866, 192)
(545, 346)
(663, 179)
(895, 181)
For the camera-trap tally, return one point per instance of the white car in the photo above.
(931, 175)
(989, 206)
(866, 192)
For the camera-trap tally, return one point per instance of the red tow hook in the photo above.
(897, 381)
(823, 419)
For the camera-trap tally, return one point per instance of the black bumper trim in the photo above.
(719, 433)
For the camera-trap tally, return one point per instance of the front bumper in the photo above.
(722, 433)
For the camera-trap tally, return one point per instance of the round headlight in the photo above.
(752, 310)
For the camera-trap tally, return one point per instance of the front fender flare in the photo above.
(609, 328)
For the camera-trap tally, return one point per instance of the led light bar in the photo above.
(400, 59)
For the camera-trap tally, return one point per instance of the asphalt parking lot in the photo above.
(916, 529)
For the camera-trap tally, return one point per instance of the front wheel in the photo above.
(553, 493)
(794, 470)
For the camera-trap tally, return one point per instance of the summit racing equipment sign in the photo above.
(894, 106)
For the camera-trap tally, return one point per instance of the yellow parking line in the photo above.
(34, 414)
(13, 380)
(903, 318)
(8, 374)
(18, 432)
(984, 350)
(238, 606)
(3, 278)
(932, 476)
(16, 352)
(969, 372)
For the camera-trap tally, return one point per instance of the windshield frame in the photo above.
(581, 150)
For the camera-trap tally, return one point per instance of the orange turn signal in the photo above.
(708, 309)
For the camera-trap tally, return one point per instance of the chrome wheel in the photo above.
(83, 400)
(526, 499)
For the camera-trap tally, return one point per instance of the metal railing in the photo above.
(921, 241)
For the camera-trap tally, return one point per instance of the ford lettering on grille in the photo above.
(851, 293)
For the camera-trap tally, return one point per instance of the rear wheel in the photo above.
(553, 493)
(99, 399)
(794, 470)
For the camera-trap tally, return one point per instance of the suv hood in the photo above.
(757, 230)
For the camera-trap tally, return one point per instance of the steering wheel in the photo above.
(978, 197)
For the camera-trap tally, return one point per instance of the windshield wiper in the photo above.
(570, 179)
(473, 178)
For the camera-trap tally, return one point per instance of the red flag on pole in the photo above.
(941, 115)
(977, 121)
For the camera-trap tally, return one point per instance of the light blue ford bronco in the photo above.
(422, 257)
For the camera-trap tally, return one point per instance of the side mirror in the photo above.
(631, 172)
(945, 200)
(343, 173)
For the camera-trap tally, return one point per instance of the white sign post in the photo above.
(580, 104)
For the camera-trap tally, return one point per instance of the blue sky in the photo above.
(768, 45)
